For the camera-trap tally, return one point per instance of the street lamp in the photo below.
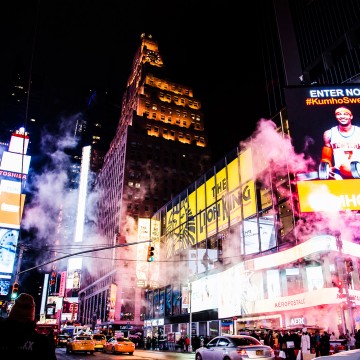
(190, 319)
(339, 246)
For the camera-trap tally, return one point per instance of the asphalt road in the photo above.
(138, 355)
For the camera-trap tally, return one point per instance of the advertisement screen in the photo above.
(11, 209)
(324, 124)
(8, 244)
(4, 286)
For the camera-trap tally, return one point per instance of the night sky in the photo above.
(83, 45)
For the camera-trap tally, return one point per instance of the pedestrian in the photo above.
(187, 343)
(357, 339)
(324, 344)
(305, 343)
(351, 342)
(18, 336)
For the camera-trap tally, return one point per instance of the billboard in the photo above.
(8, 244)
(11, 209)
(224, 198)
(324, 122)
(5, 283)
(14, 162)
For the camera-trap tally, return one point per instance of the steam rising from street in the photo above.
(52, 201)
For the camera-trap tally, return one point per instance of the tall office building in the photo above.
(308, 43)
(160, 147)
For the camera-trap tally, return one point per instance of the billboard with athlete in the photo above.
(324, 123)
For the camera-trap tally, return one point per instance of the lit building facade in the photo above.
(262, 240)
(14, 170)
(160, 146)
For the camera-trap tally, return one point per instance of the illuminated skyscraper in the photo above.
(160, 147)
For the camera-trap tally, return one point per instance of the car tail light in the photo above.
(241, 352)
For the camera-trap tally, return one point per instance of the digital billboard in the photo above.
(224, 198)
(324, 123)
(8, 244)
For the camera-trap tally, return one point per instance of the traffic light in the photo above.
(15, 291)
(150, 253)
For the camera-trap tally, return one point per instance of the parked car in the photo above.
(119, 345)
(80, 343)
(62, 340)
(343, 355)
(234, 347)
(99, 341)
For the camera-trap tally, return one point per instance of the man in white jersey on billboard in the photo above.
(340, 157)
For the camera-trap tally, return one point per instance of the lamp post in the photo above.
(190, 319)
(339, 245)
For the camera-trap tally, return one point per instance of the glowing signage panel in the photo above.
(15, 162)
(8, 243)
(325, 125)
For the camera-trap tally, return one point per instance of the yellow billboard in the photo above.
(11, 209)
(329, 195)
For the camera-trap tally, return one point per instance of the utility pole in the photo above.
(345, 282)
(22, 247)
(190, 319)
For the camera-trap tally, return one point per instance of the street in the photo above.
(138, 355)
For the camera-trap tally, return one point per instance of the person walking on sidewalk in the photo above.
(187, 343)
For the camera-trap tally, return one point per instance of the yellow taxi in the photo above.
(99, 341)
(80, 343)
(119, 345)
